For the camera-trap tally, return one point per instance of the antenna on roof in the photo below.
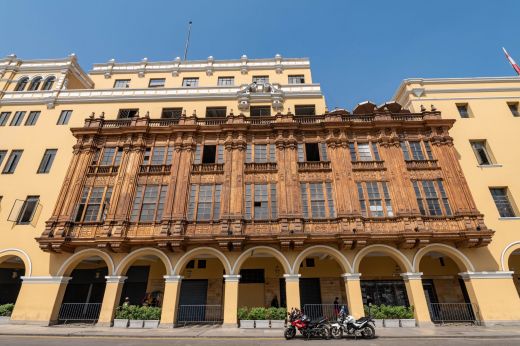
(187, 41)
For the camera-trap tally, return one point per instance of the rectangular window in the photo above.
(374, 199)
(364, 152)
(427, 194)
(296, 79)
(226, 81)
(305, 110)
(190, 82)
(352, 151)
(156, 83)
(171, 113)
(260, 111)
(260, 152)
(28, 209)
(4, 116)
(416, 149)
(513, 107)
(122, 83)
(209, 154)
(463, 110)
(260, 201)
(32, 118)
(312, 152)
(158, 155)
(93, 204)
(405, 150)
(204, 203)
(47, 160)
(64, 117)
(111, 156)
(17, 119)
(201, 264)
(127, 113)
(12, 161)
(216, 112)
(148, 203)
(260, 79)
(503, 201)
(317, 200)
(482, 153)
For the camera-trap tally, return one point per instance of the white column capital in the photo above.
(487, 275)
(411, 276)
(351, 276)
(292, 277)
(45, 279)
(173, 278)
(232, 278)
(116, 279)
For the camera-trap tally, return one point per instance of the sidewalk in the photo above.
(226, 333)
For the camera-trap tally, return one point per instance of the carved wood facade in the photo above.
(346, 227)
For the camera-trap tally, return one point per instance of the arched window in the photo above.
(22, 83)
(49, 82)
(35, 83)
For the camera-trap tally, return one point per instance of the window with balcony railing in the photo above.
(431, 197)
(365, 155)
(106, 160)
(93, 204)
(157, 159)
(260, 201)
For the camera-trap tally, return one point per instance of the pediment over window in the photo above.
(260, 92)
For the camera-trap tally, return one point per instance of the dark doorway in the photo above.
(209, 154)
(312, 152)
(86, 286)
(135, 284)
(192, 301)
(283, 294)
(387, 292)
(10, 284)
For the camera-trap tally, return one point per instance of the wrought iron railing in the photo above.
(329, 311)
(453, 312)
(199, 314)
(79, 312)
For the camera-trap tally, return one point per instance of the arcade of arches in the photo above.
(208, 284)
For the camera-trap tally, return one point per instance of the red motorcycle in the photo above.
(319, 327)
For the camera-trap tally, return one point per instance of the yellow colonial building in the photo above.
(205, 186)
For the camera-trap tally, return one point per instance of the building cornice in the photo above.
(45, 279)
(487, 275)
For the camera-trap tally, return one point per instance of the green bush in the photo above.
(135, 312)
(242, 313)
(6, 309)
(257, 314)
(390, 312)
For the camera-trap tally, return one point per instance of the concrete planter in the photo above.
(247, 324)
(277, 324)
(151, 323)
(120, 323)
(5, 319)
(262, 324)
(379, 323)
(136, 324)
(407, 323)
(389, 323)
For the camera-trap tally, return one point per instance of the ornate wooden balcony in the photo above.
(155, 169)
(102, 170)
(208, 168)
(421, 164)
(260, 167)
(368, 165)
(314, 166)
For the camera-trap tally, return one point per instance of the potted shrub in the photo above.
(121, 320)
(407, 319)
(260, 316)
(135, 315)
(377, 315)
(151, 316)
(277, 317)
(391, 315)
(243, 318)
(5, 313)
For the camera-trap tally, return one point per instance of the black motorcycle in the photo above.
(319, 327)
(347, 324)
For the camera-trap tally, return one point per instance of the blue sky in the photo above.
(359, 50)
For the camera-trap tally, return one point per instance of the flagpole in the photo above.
(512, 62)
(187, 41)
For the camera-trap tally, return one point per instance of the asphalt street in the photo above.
(122, 341)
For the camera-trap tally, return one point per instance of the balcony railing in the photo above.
(163, 122)
(260, 120)
(155, 169)
(103, 169)
(368, 165)
(421, 164)
(208, 168)
(211, 121)
(314, 166)
(251, 167)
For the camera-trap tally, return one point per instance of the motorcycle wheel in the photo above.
(336, 333)
(289, 333)
(368, 332)
(325, 333)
